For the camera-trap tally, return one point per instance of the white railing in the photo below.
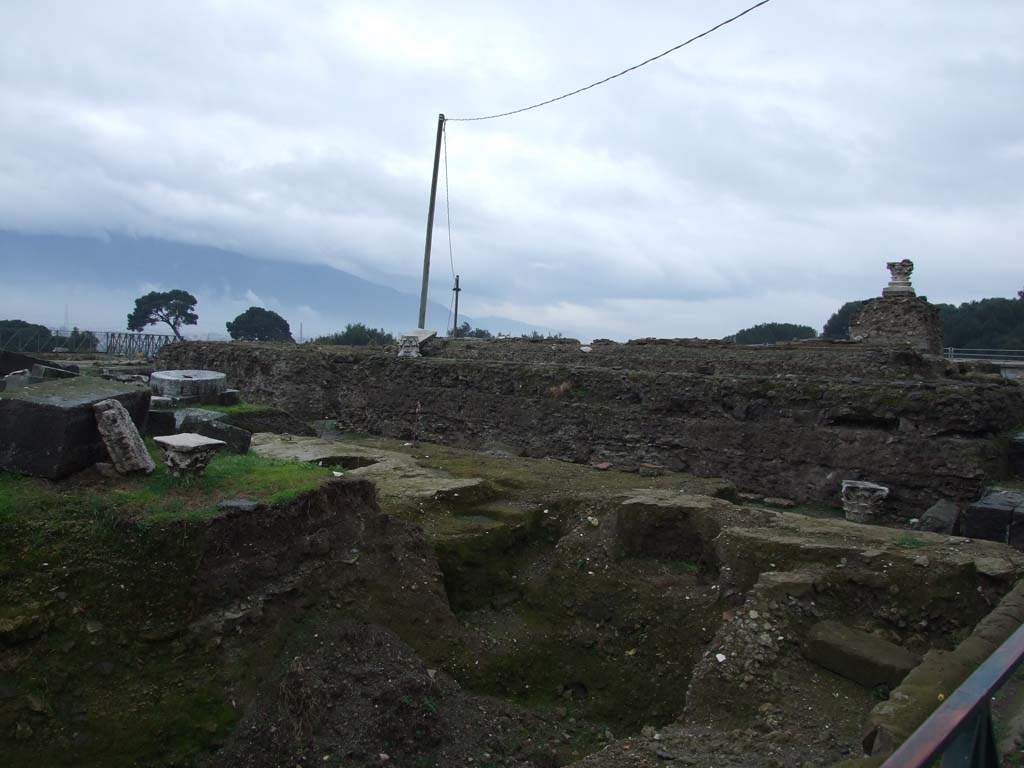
(995, 356)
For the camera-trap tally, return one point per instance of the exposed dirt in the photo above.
(492, 611)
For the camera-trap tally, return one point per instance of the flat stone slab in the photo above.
(49, 429)
(187, 442)
(865, 659)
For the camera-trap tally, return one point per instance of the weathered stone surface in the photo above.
(237, 440)
(240, 505)
(122, 439)
(230, 397)
(17, 380)
(788, 421)
(856, 655)
(160, 403)
(212, 424)
(186, 418)
(1015, 454)
(862, 501)
(188, 454)
(899, 321)
(893, 720)
(51, 372)
(781, 584)
(202, 386)
(997, 516)
(941, 517)
(49, 429)
(16, 361)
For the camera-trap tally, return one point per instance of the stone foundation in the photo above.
(785, 421)
(899, 321)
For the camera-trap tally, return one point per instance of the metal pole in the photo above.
(430, 224)
(455, 325)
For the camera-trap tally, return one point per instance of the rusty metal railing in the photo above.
(960, 730)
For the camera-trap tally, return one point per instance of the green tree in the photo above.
(358, 335)
(466, 331)
(771, 333)
(175, 308)
(984, 324)
(838, 326)
(78, 341)
(259, 324)
(22, 336)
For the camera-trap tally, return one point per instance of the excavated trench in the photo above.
(558, 614)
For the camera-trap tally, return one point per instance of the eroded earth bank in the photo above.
(436, 607)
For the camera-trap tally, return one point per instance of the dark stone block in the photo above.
(160, 423)
(49, 372)
(187, 418)
(941, 517)
(49, 429)
(238, 440)
(993, 517)
(230, 397)
(15, 361)
(1015, 455)
(858, 656)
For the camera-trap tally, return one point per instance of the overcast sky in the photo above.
(766, 172)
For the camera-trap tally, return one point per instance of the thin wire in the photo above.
(610, 77)
(447, 202)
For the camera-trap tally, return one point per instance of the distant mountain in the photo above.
(99, 279)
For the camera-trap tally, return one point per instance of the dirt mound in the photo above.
(359, 696)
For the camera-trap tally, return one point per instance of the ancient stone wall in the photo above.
(920, 427)
(900, 321)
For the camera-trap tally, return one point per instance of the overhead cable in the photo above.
(610, 77)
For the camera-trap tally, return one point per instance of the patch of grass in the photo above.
(239, 408)
(159, 497)
(907, 541)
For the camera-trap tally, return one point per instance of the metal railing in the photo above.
(996, 356)
(45, 341)
(960, 730)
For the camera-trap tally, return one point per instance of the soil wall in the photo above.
(790, 421)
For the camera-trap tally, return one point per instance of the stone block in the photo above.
(160, 423)
(238, 440)
(993, 518)
(50, 372)
(160, 403)
(941, 517)
(230, 397)
(1015, 455)
(777, 585)
(122, 439)
(857, 656)
(15, 361)
(49, 429)
(203, 386)
(187, 418)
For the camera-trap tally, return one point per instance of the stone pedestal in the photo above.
(862, 501)
(409, 344)
(124, 444)
(900, 318)
(188, 454)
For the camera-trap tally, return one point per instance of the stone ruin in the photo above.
(900, 318)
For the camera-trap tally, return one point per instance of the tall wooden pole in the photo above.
(430, 224)
(455, 325)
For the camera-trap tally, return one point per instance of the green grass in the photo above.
(239, 408)
(160, 496)
(908, 541)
